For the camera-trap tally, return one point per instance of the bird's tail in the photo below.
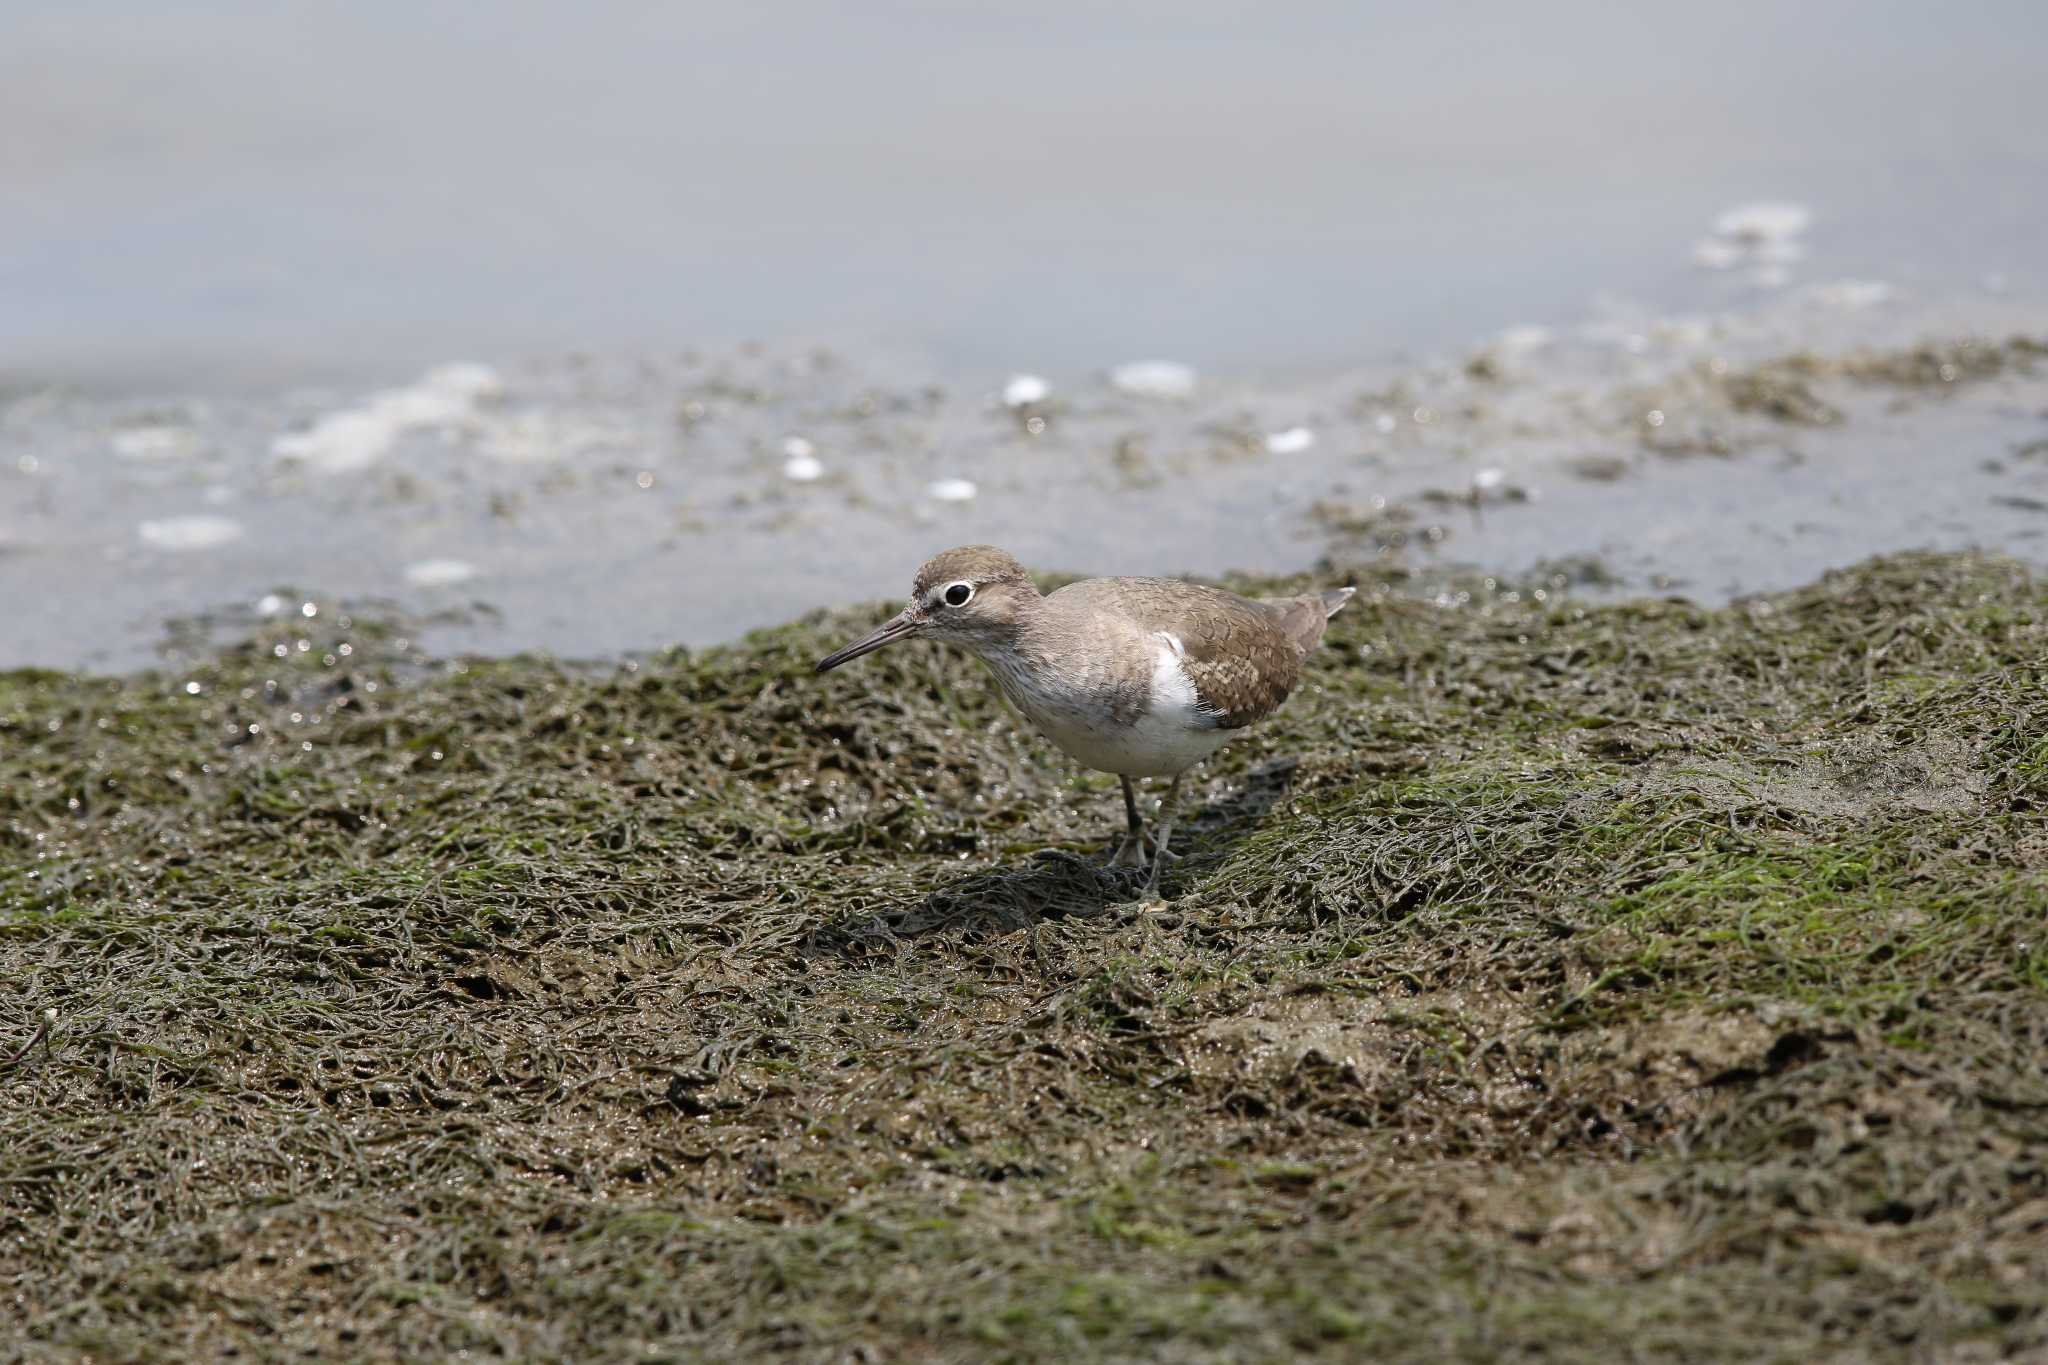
(1303, 617)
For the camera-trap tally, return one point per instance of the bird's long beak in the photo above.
(895, 628)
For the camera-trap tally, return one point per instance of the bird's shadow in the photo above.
(1055, 884)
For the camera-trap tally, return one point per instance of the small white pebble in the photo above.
(1025, 389)
(952, 490)
(1292, 441)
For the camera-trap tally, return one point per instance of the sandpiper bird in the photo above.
(1141, 677)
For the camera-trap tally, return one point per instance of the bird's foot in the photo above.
(1130, 853)
(1160, 862)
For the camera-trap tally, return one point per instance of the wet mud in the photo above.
(1555, 977)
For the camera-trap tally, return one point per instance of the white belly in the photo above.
(1171, 736)
(1155, 747)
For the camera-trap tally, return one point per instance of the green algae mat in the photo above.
(1552, 980)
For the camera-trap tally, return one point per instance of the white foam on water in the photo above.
(478, 383)
(339, 443)
(188, 533)
(1292, 441)
(1154, 379)
(1761, 235)
(439, 573)
(952, 490)
(1025, 389)
(445, 398)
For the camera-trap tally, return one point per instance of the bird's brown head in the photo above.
(972, 596)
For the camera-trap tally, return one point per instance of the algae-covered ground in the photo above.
(1550, 980)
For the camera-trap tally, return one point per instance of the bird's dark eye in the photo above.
(958, 593)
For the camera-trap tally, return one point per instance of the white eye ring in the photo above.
(957, 594)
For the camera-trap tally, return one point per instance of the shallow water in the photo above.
(598, 507)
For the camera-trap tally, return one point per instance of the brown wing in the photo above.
(1242, 690)
(1236, 652)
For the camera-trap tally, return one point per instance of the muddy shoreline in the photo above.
(1554, 977)
(603, 508)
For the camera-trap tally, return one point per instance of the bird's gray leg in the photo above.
(1131, 852)
(1168, 807)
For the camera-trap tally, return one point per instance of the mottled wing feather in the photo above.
(1238, 690)
(1236, 652)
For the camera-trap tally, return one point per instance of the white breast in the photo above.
(1172, 735)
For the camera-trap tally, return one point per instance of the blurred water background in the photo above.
(607, 326)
